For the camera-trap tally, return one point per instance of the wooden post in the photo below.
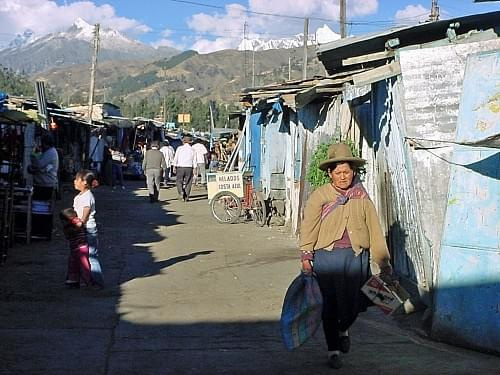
(92, 71)
(306, 36)
(434, 16)
(342, 18)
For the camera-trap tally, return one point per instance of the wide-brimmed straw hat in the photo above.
(340, 152)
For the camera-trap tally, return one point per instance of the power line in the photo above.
(253, 12)
(294, 17)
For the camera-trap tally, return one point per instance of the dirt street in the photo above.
(185, 295)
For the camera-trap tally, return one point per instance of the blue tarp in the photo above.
(3, 100)
(301, 312)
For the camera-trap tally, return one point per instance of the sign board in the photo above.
(184, 118)
(225, 181)
(385, 296)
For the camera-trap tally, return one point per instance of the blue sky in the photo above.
(209, 25)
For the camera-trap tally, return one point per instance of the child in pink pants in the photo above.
(78, 261)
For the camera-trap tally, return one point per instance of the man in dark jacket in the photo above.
(152, 165)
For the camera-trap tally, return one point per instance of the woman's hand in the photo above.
(307, 266)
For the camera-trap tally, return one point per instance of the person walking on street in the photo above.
(152, 165)
(339, 234)
(117, 160)
(84, 205)
(184, 166)
(201, 153)
(168, 153)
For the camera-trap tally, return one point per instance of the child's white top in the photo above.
(83, 200)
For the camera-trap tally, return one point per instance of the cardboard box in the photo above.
(387, 297)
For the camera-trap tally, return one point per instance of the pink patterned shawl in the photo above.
(356, 191)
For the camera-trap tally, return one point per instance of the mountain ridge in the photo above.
(72, 47)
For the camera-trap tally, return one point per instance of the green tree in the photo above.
(15, 84)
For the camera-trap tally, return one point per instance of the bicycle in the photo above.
(227, 206)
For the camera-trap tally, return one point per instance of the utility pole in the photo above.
(342, 18)
(434, 16)
(245, 25)
(306, 37)
(69, 88)
(253, 67)
(92, 71)
(164, 110)
(289, 66)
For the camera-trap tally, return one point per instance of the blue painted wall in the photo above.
(467, 298)
(255, 147)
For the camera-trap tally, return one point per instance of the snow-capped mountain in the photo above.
(74, 47)
(323, 35)
(108, 38)
(28, 36)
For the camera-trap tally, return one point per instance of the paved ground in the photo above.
(185, 295)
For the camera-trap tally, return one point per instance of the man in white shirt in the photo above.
(201, 153)
(168, 153)
(184, 165)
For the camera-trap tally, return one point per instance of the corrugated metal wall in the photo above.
(468, 283)
(432, 79)
(394, 186)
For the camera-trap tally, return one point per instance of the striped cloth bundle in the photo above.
(301, 312)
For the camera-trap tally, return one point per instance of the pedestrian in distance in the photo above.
(201, 154)
(340, 233)
(78, 260)
(168, 153)
(84, 205)
(184, 167)
(152, 165)
(117, 160)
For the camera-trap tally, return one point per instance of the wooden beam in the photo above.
(328, 90)
(366, 58)
(377, 74)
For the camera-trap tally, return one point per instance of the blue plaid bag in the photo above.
(301, 312)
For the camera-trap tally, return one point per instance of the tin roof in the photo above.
(331, 54)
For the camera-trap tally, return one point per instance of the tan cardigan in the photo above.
(357, 215)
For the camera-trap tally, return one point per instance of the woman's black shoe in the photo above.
(335, 361)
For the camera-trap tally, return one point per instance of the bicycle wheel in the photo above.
(225, 207)
(259, 210)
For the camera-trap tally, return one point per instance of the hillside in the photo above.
(216, 76)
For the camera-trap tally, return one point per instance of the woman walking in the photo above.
(339, 234)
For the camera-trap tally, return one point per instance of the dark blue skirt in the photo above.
(341, 274)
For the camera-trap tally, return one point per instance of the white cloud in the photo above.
(44, 16)
(412, 14)
(165, 42)
(225, 29)
(167, 33)
(207, 46)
